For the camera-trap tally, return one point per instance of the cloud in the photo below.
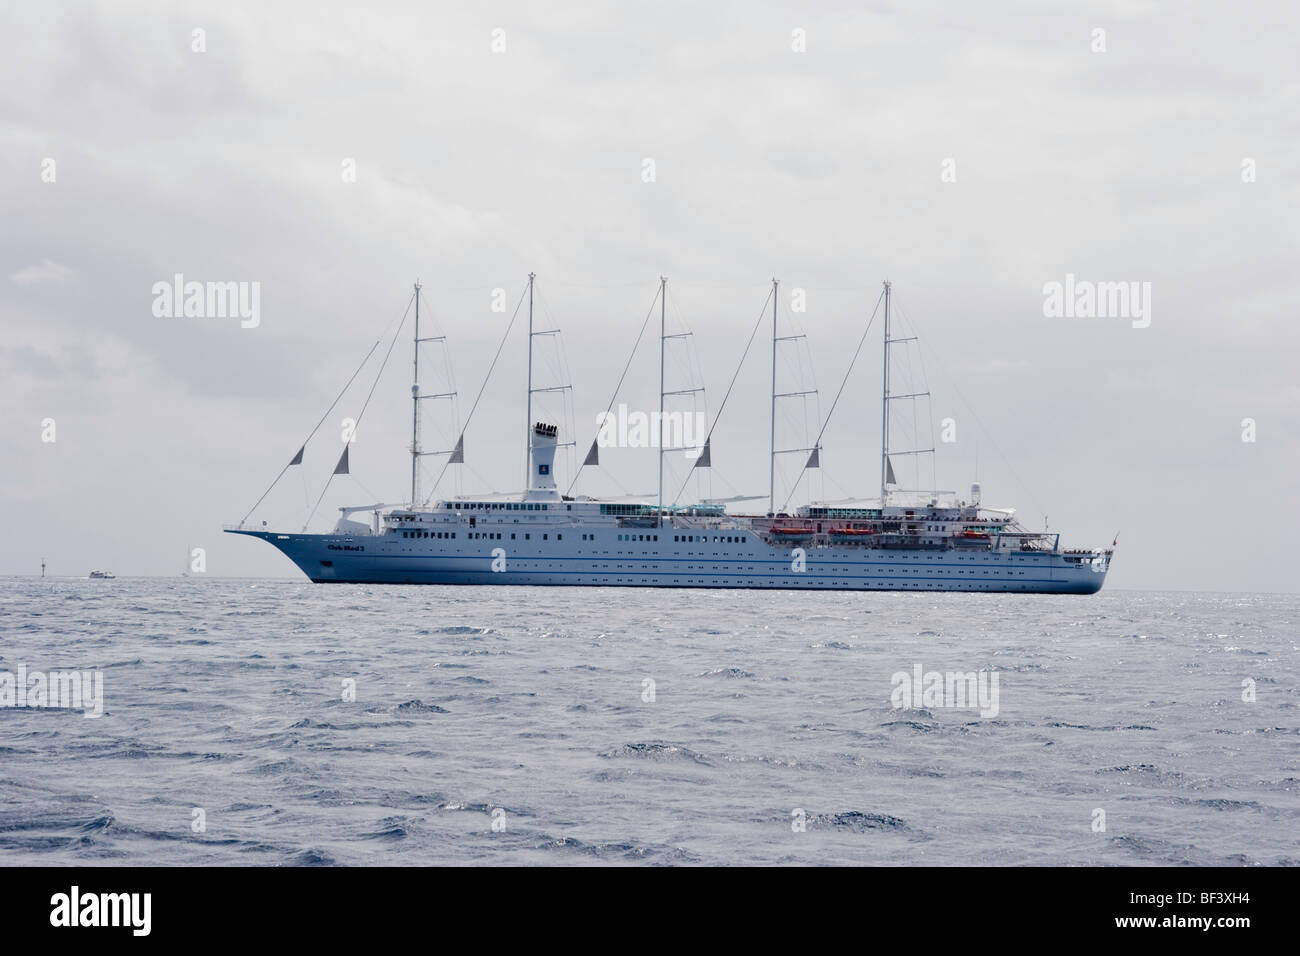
(47, 271)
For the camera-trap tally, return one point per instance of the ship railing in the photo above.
(1026, 541)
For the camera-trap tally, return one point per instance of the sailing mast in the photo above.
(663, 334)
(771, 470)
(884, 412)
(887, 476)
(415, 410)
(528, 416)
(796, 393)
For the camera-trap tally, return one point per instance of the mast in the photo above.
(663, 332)
(771, 470)
(415, 407)
(528, 417)
(884, 410)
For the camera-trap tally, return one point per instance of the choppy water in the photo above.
(227, 696)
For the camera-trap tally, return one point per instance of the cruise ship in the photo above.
(541, 536)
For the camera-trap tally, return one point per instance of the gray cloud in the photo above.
(822, 168)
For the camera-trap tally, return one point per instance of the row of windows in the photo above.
(704, 538)
(497, 506)
(474, 535)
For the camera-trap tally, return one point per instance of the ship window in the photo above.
(546, 537)
(559, 537)
(546, 507)
(512, 536)
(527, 536)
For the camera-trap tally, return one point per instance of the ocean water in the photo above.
(516, 726)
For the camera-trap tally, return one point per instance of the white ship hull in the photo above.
(606, 561)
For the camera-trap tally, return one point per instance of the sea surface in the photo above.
(517, 726)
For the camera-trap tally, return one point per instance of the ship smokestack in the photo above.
(544, 441)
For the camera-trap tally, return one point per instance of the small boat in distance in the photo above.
(104, 575)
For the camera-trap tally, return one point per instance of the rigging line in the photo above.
(1020, 482)
(929, 405)
(847, 373)
(486, 378)
(492, 489)
(323, 417)
(614, 397)
(695, 374)
(364, 405)
(762, 314)
(366, 490)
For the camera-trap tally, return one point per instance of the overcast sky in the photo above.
(969, 153)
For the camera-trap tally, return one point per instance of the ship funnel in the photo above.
(544, 440)
(975, 493)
